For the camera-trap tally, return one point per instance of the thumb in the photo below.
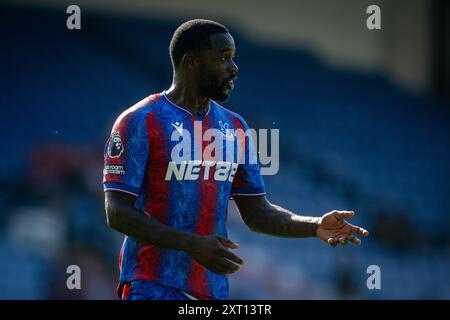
(228, 243)
(343, 214)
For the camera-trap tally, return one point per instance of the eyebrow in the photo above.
(227, 49)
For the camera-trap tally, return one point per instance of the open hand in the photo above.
(333, 229)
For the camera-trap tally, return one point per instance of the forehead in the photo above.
(222, 42)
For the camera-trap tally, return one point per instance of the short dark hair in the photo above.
(193, 35)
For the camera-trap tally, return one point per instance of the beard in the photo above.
(212, 87)
(220, 96)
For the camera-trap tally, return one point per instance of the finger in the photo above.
(228, 243)
(343, 214)
(219, 267)
(228, 266)
(332, 242)
(232, 257)
(356, 241)
(343, 241)
(216, 268)
(360, 231)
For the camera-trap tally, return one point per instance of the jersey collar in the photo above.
(198, 117)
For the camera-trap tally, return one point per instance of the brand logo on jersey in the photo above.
(115, 147)
(178, 126)
(190, 170)
(226, 131)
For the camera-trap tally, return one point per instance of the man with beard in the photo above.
(172, 212)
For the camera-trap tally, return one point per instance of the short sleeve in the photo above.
(248, 180)
(126, 154)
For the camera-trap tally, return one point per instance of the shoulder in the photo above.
(235, 117)
(138, 112)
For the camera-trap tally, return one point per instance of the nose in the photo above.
(234, 68)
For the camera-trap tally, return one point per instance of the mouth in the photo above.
(230, 83)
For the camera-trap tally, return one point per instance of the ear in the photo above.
(188, 61)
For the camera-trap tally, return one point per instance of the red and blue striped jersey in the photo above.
(153, 153)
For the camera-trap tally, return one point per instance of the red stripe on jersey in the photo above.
(126, 291)
(157, 205)
(153, 97)
(207, 201)
(158, 202)
(148, 259)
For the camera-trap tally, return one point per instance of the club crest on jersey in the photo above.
(223, 127)
(115, 147)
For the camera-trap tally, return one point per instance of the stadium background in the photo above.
(363, 118)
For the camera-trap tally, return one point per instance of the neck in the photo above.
(188, 98)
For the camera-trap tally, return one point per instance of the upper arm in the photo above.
(118, 199)
(251, 207)
(117, 202)
(126, 154)
(248, 179)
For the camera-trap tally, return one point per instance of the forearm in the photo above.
(277, 221)
(146, 229)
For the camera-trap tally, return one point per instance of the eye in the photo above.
(226, 57)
